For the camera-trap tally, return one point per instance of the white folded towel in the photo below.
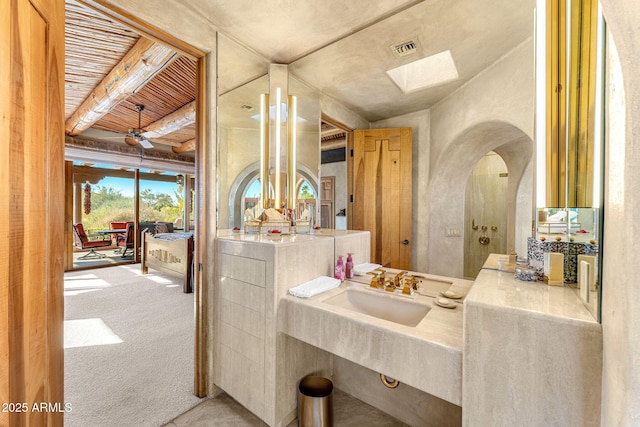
(315, 287)
(362, 269)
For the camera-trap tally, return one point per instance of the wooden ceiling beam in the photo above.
(177, 120)
(86, 173)
(332, 132)
(333, 144)
(143, 61)
(189, 145)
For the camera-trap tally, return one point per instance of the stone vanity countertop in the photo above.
(275, 239)
(440, 325)
(502, 291)
(428, 355)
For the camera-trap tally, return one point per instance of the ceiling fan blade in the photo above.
(146, 143)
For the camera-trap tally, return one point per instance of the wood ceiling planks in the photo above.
(94, 45)
(167, 92)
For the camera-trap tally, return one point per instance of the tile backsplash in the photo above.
(536, 249)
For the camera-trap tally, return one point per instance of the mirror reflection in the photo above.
(569, 147)
(240, 139)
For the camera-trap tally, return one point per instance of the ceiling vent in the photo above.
(405, 48)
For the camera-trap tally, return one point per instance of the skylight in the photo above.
(427, 72)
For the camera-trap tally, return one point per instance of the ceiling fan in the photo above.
(134, 137)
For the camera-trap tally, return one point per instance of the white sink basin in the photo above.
(387, 307)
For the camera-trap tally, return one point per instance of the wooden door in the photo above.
(327, 198)
(381, 193)
(31, 211)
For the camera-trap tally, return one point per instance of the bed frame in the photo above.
(174, 258)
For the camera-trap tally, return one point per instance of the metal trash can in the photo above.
(315, 402)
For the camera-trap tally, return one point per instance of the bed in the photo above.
(169, 253)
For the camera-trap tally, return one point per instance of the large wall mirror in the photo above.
(241, 138)
(569, 134)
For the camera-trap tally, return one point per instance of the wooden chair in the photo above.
(82, 241)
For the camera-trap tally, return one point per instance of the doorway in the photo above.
(485, 212)
(190, 63)
(333, 146)
(327, 201)
(381, 176)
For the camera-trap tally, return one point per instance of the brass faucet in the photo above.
(377, 280)
(397, 277)
(389, 285)
(410, 284)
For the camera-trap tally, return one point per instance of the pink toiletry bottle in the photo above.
(339, 273)
(349, 267)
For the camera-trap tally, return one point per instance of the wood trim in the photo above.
(335, 123)
(143, 28)
(54, 172)
(32, 170)
(349, 180)
(136, 215)
(200, 285)
(68, 216)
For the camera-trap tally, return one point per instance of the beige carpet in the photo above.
(128, 348)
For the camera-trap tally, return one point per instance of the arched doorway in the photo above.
(485, 212)
(447, 197)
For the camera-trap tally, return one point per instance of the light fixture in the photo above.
(277, 110)
(292, 117)
(264, 150)
(278, 124)
(540, 34)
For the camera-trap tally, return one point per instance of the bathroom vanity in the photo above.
(252, 360)
(532, 354)
(267, 340)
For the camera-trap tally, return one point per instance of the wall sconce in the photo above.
(292, 117)
(276, 115)
(264, 151)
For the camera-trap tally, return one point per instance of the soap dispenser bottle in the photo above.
(349, 267)
(339, 272)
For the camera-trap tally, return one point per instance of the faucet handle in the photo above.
(381, 274)
(410, 284)
(375, 280)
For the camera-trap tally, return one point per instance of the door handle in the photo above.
(405, 242)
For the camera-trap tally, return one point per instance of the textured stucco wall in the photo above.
(621, 293)
(493, 111)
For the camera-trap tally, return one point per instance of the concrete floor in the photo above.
(224, 411)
